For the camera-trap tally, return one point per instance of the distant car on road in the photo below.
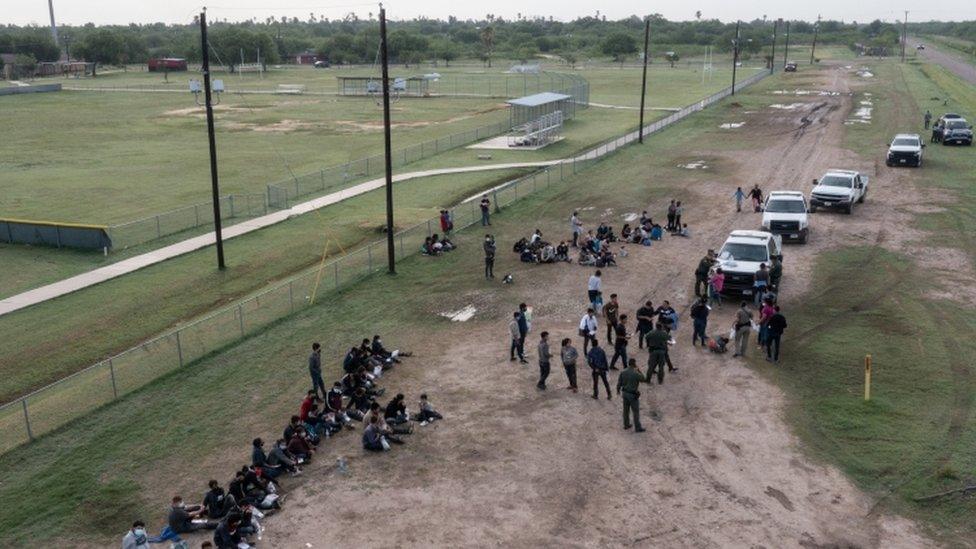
(790, 67)
(321, 64)
(905, 150)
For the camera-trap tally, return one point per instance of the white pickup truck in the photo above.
(742, 254)
(839, 189)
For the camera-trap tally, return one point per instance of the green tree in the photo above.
(619, 45)
(103, 46)
(488, 42)
(447, 51)
(226, 44)
(672, 57)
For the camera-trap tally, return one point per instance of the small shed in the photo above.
(530, 108)
(414, 86)
(166, 64)
(307, 57)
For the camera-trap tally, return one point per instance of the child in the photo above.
(427, 413)
(683, 231)
(717, 344)
(739, 196)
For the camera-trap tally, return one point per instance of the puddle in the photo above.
(461, 315)
(862, 115)
(864, 73)
(696, 165)
(731, 125)
(821, 93)
(786, 107)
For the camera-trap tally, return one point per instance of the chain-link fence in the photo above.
(48, 408)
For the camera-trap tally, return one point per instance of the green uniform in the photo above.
(657, 345)
(628, 383)
(775, 273)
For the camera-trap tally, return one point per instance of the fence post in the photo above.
(30, 434)
(369, 258)
(179, 347)
(494, 199)
(240, 318)
(335, 268)
(547, 178)
(111, 371)
(297, 194)
(291, 295)
(158, 233)
(322, 178)
(57, 230)
(401, 245)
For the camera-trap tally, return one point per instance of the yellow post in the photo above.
(867, 377)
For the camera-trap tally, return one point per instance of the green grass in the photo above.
(139, 305)
(117, 457)
(917, 434)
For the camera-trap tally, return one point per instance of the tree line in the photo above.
(356, 40)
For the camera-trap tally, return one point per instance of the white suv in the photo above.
(905, 150)
(785, 214)
(741, 256)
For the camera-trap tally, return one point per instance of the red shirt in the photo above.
(305, 409)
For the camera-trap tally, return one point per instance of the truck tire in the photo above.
(849, 209)
(813, 209)
(863, 196)
(804, 237)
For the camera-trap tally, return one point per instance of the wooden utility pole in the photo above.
(816, 32)
(215, 189)
(904, 36)
(735, 54)
(786, 52)
(390, 247)
(647, 35)
(772, 54)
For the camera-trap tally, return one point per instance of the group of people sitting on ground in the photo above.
(594, 250)
(436, 245)
(537, 250)
(644, 233)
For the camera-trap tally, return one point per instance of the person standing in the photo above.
(743, 323)
(677, 216)
(701, 273)
(597, 360)
(594, 287)
(576, 226)
(569, 355)
(657, 346)
(645, 322)
(774, 332)
(765, 313)
(485, 211)
(489, 246)
(588, 328)
(699, 316)
(610, 312)
(628, 383)
(928, 119)
(620, 346)
(739, 196)
(671, 213)
(315, 369)
(715, 285)
(523, 326)
(517, 339)
(775, 273)
(756, 195)
(760, 281)
(544, 360)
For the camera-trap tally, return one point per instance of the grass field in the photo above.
(916, 436)
(118, 471)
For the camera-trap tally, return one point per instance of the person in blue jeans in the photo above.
(699, 316)
(775, 327)
(597, 360)
(485, 211)
(759, 284)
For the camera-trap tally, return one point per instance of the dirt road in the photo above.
(962, 69)
(512, 466)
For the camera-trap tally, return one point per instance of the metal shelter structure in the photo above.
(531, 108)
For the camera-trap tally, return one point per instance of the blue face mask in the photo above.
(140, 535)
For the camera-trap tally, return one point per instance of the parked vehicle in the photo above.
(740, 257)
(790, 67)
(785, 214)
(905, 150)
(957, 130)
(321, 64)
(839, 189)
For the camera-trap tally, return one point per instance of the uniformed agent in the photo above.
(628, 383)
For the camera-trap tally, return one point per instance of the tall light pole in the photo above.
(390, 249)
(816, 32)
(647, 35)
(786, 53)
(904, 36)
(210, 136)
(772, 54)
(54, 28)
(735, 54)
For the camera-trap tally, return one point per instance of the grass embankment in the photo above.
(89, 479)
(916, 436)
(53, 339)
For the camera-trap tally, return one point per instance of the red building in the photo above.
(167, 64)
(307, 57)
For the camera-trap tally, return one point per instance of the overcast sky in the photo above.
(78, 12)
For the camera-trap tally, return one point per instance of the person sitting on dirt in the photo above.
(586, 258)
(605, 258)
(373, 439)
(386, 429)
(440, 245)
(657, 232)
(353, 360)
(528, 255)
(249, 487)
(536, 238)
(260, 459)
(427, 248)
(427, 412)
(299, 446)
(520, 245)
(605, 233)
(683, 231)
(718, 344)
(587, 241)
(294, 424)
(280, 457)
(547, 254)
(379, 350)
(359, 403)
(184, 519)
(216, 502)
(396, 411)
(562, 252)
(227, 535)
(626, 233)
(333, 403)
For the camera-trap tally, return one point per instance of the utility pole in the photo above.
(54, 28)
(786, 53)
(904, 36)
(390, 249)
(735, 54)
(772, 54)
(210, 134)
(816, 31)
(647, 35)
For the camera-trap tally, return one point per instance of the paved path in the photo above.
(962, 69)
(90, 278)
